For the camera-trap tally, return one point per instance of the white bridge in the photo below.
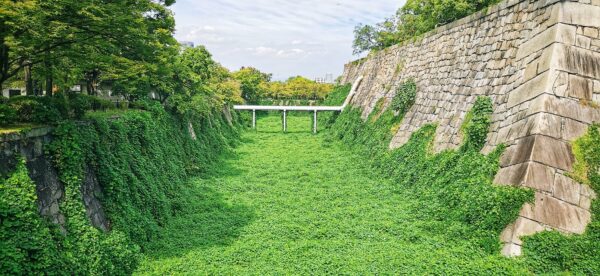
(285, 109)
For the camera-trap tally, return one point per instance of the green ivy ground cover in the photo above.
(297, 204)
(142, 159)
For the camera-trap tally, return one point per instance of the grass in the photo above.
(294, 204)
(16, 128)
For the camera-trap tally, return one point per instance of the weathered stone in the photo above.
(539, 62)
(580, 88)
(557, 214)
(580, 14)
(557, 33)
(511, 250)
(590, 32)
(525, 227)
(573, 129)
(566, 189)
(529, 90)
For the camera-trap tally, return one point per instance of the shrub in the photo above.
(80, 103)
(30, 109)
(7, 115)
(405, 97)
(477, 124)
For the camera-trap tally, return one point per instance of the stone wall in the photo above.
(30, 146)
(539, 61)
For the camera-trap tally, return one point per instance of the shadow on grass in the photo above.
(205, 217)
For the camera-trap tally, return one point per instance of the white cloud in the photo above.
(286, 38)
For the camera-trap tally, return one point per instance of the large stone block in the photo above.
(567, 189)
(580, 14)
(530, 89)
(580, 88)
(541, 149)
(529, 174)
(557, 33)
(556, 214)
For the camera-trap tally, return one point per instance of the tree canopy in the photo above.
(415, 18)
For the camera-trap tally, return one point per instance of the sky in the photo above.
(287, 38)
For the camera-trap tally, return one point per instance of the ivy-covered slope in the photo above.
(455, 186)
(142, 160)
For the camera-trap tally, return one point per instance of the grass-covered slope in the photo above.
(142, 159)
(455, 186)
(298, 204)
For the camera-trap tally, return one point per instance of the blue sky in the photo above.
(287, 38)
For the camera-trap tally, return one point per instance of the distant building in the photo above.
(186, 44)
(327, 79)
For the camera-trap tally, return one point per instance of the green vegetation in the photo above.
(415, 18)
(126, 48)
(296, 204)
(257, 87)
(405, 97)
(143, 160)
(26, 244)
(452, 186)
(553, 252)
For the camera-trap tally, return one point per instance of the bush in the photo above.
(7, 115)
(39, 110)
(405, 97)
(50, 110)
(80, 103)
(477, 124)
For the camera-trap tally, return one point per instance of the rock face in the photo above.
(29, 145)
(539, 61)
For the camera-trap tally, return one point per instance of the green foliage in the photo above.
(51, 110)
(553, 252)
(27, 244)
(142, 159)
(405, 97)
(415, 18)
(336, 98)
(453, 186)
(292, 204)
(251, 80)
(338, 95)
(37, 109)
(477, 124)
(64, 42)
(7, 115)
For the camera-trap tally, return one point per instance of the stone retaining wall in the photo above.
(539, 61)
(30, 146)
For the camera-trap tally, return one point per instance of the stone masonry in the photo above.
(30, 146)
(539, 61)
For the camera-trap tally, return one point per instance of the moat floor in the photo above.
(295, 204)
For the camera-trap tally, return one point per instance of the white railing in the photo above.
(285, 109)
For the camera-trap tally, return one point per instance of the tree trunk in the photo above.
(48, 74)
(28, 81)
(49, 85)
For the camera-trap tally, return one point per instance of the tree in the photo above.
(365, 38)
(85, 34)
(252, 81)
(415, 18)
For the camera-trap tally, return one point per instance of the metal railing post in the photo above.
(284, 120)
(254, 118)
(315, 122)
